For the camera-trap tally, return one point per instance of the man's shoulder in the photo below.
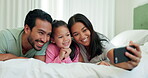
(14, 31)
(10, 32)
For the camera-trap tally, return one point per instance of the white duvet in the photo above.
(32, 68)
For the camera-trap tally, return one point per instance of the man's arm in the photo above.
(4, 57)
(40, 57)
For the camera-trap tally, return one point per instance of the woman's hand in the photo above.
(135, 57)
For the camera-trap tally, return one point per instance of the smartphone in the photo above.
(119, 55)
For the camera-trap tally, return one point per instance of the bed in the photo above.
(32, 68)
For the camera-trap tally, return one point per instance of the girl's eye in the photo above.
(60, 37)
(68, 34)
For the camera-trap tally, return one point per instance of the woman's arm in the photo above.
(135, 59)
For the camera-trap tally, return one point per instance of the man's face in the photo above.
(40, 34)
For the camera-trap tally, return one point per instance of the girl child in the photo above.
(61, 49)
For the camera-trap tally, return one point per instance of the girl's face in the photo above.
(62, 37)
(81, 33)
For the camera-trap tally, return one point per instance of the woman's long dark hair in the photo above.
(58, 23)
(95, 47)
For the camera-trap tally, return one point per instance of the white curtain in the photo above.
(13, 12)
(100, 12)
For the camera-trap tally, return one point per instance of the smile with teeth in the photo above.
(66, 43)
(40, 43)
(84, 40)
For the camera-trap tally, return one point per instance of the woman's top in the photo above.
(107, 46)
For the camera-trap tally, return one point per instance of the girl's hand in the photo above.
(62, 54)
(104, 63)
(67, 52)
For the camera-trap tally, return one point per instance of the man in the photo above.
(30, 41)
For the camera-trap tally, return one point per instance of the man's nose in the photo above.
(45, 38)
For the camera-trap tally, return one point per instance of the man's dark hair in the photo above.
(36, 14)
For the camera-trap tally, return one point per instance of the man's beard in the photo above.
(32, 43)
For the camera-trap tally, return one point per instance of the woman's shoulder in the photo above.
(102, 36)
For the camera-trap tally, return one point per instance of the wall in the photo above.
(124, 14)
(137, 3)
(13, 12)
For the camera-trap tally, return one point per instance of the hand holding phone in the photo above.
(119, 54)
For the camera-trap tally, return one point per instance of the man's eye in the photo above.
(41, 33)
(49, 34)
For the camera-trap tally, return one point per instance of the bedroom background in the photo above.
(109, 17)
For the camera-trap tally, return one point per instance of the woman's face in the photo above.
(81, 33)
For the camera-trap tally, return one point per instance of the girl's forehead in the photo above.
(62, 26)
(61, 29)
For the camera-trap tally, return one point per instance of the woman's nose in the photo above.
(82, 35)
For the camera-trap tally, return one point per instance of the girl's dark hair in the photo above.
(58, 23)
(95, 47)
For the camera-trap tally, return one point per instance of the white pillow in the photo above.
(137, 36)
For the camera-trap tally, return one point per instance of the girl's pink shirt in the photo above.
(52, 55)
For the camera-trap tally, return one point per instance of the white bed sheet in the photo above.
(32, 68)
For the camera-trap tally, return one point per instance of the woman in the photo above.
(96, 47)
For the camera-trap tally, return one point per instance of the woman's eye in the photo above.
(84, 30)
(75, 35)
